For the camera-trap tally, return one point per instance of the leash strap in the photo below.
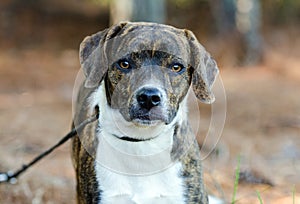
(11, 176)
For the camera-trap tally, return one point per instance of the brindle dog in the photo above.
(141, 149)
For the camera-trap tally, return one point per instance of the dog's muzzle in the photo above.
(148, 108)
(148, 98)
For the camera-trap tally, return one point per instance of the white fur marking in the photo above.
(163, 186)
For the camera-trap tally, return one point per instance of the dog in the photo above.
(141, 149)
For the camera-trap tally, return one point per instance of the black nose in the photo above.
(149, 97)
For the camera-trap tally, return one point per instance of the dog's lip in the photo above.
(147, 118)
(145, 122)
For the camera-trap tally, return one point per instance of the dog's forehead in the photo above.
(156, 37)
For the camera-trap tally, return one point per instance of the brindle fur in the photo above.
(83, 160)
(99, 54)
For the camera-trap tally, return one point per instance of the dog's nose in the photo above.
(149, 97)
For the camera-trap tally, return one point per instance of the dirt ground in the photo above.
(262, 126)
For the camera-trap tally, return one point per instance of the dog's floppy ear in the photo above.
(92, 57)
(205, 70)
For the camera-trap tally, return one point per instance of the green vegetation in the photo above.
(294, 192)
(259, 197)
(236, 181)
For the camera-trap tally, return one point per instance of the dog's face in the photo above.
(147, 70)
(147, 86)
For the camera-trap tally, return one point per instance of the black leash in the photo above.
(11, 177)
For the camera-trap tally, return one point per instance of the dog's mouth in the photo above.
(147, 118)
(146, 122)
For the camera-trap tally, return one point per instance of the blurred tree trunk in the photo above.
(224, 14)
(248, 21)
(244, 17)
(137, 10)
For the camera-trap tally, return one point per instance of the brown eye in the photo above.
(177, 68)
(124, 64)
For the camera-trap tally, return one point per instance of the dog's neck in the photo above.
(151, 152)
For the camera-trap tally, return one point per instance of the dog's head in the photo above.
(147, 69)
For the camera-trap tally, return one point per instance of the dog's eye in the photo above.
(124, 64)
(177, 67)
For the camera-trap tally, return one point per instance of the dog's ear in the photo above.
(205, 70)
(92, 57)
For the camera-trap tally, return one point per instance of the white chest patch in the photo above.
(147, 173)
(161, 188)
